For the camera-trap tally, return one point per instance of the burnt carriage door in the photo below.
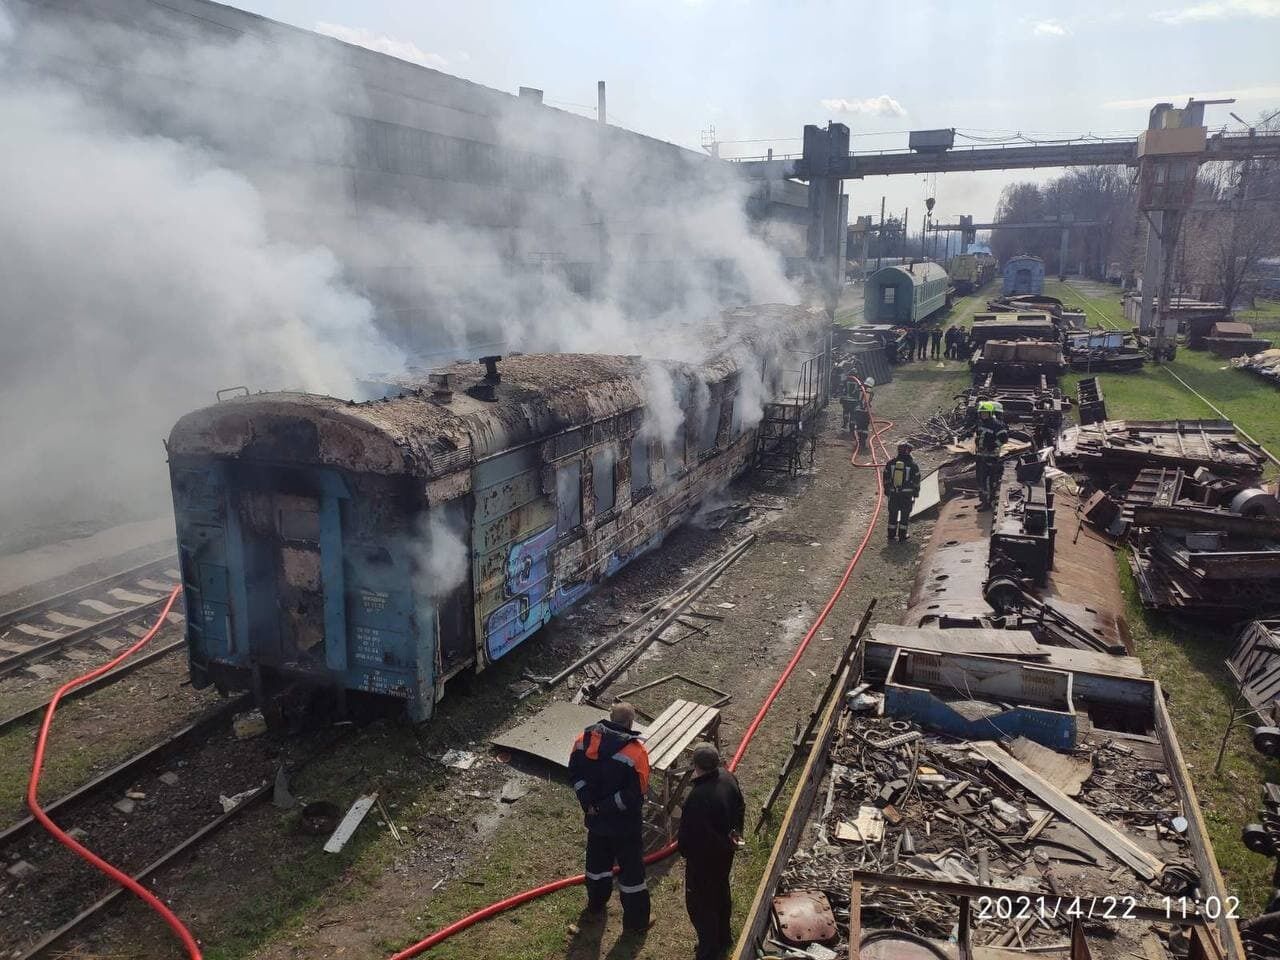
(287, 527)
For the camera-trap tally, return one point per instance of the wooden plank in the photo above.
(693, 726)
(1103, 833)
(1065, 772)
(344, 831)
(793, 823)
(1211, 882)
(659, 736)
(670, 735)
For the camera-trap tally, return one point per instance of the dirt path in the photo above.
(264, 891)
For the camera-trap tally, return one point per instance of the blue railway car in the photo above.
(905, 295)
(382, 547)
(1023, 274)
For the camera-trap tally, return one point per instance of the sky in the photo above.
(756, 71)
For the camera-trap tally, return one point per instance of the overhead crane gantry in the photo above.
(1167, 155)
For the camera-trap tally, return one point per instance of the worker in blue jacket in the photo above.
(901, 477)
(609, 768)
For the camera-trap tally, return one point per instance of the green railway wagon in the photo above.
(908, 294)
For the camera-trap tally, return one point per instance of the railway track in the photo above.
(58, 626)
(143, 814)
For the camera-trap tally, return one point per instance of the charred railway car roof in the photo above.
(417, 434)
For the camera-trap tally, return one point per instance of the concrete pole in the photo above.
(880, 237)
(1150, 271)
(906, 214)
(600, 114)
(1062, 251)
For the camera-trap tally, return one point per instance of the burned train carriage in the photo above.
(385, 546)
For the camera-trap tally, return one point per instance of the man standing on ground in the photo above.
(901, 486)
(710, 831)
(951, 343)
(922, 343)
(609, 767)
(989, 435)
(935, 343)
(862, 417)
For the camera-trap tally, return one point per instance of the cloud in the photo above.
(1243, 93)
(401, 49)
(1050, 28)
(881, 106)
(1218, 10)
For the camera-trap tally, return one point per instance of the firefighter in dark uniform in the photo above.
(989, 435)
(901, 486)
(935, 343)
(850, 402)
(609, 768)
(710, 831)
(862, 417)
(922, 343)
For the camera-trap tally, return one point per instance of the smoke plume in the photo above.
(180, 217)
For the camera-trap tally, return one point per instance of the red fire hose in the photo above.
(501, 906)
(33, 788)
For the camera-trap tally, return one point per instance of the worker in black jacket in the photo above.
(710, 832)
(901, 485)
(989, 435)
(609, 768)
(935, 343)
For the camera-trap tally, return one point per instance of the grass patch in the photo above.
(1151, 394)
(1187, 658)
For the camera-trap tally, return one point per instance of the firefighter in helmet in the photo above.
(989, 435)
(902, 486)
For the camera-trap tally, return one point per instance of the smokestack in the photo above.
(441, 389)
(531, 94)
(600, 114)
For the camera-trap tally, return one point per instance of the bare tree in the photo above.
(1234, 223)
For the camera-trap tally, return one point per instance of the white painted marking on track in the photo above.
(31, 630)
(64, 620)
(102, 607)
(128, 596)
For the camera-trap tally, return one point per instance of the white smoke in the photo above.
(185, 221)
(439, 556)
(137, 279)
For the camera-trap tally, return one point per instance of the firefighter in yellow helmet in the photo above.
(901, 486)
(989, 435)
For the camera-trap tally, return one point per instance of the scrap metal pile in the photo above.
(1205, 535)
(903, 802)
(1000, 774)
(1265, 365)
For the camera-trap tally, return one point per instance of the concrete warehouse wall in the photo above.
(370, 155)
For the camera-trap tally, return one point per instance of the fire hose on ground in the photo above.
(185, 936)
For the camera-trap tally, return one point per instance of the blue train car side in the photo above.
(383, 547)
(1023, 274)
(905, 295)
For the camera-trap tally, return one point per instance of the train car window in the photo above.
(674, 452)
(568, 497)
(604, 479)
(568, 443)
(735, 418)
(640, 481)
(710, 428)
(887, 294)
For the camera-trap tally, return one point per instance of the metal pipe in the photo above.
(644, 618)
(706, 579)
